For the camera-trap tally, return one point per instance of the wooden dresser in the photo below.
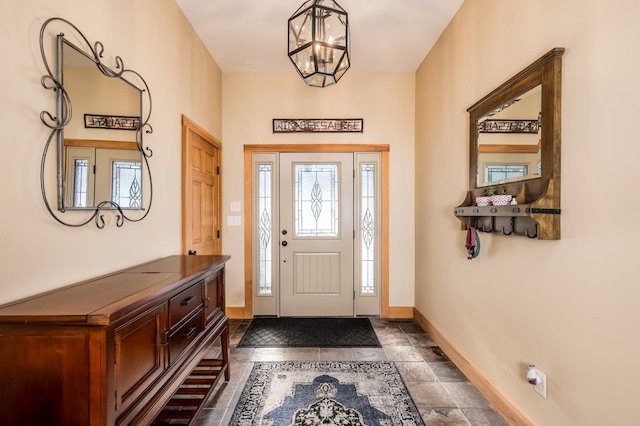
(111, 350)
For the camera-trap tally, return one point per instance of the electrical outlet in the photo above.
(541, 387)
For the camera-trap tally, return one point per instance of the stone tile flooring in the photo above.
(441, 392)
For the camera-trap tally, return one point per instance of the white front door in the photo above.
(316, 234)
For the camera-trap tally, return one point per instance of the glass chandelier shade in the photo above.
(319, 42)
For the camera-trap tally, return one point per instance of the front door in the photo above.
(316, 234)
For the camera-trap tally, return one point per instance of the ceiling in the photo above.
(386, 36)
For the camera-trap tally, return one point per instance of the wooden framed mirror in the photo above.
(514, 146)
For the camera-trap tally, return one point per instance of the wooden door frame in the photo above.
(188, 127)
(248, 209)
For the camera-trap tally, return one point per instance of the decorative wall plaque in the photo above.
(322, 125)
(116, 122)
(509, 126)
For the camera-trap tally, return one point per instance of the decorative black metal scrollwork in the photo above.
(53, 80)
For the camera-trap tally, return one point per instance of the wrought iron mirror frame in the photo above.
(53, 80)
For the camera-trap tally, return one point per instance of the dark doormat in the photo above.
(310, 332)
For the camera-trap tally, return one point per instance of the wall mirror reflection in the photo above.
(101, 163)
(509, 140)
(102, 111)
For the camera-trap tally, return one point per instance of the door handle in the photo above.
(284, 244)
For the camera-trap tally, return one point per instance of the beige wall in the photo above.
(569, 306)
(153, 38)
(386, 103)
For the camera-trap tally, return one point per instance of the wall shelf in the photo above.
(533, 218)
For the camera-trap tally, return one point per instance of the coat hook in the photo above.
(507, 233)
(526, 232)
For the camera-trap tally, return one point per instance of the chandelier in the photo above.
(319, 42)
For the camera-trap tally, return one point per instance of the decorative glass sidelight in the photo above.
(265, 214)
(368, 231)
(80, 179)
(316, 200)
(126, 190)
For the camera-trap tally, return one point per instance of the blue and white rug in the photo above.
(325, 393)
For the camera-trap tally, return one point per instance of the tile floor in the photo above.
(441, 392)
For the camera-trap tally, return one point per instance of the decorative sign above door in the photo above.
(322, 125)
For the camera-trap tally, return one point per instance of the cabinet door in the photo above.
(139, 357)
(214, 298)
(45, 375)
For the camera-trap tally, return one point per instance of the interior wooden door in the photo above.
(201, 220)
(316, 235)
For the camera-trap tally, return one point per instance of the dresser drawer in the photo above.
(184, 303)
(181, 338)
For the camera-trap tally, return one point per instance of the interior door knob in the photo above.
(284, 244)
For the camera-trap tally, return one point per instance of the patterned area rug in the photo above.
(309, 333)
(325, 393)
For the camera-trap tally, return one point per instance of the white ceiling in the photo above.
(251, 35)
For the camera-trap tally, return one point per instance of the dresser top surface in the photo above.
(95, 301)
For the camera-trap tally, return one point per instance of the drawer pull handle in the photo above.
(165, 338)
(188, 300)
(189, 333)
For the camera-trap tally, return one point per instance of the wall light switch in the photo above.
(234, 220)
(235, 206)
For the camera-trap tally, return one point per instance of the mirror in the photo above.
(102, 112)
(509, 141)
(102, 160)
(514, 136)
(514, 155)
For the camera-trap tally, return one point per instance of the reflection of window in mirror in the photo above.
(80, 167)
(80, 176)
(97, 174)
(503, 173)
(125, 184)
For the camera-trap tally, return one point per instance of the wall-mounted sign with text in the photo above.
(314, 125)
(116, 122)
(509, 126)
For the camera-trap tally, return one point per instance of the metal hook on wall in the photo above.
(535, 235)
(507, 233)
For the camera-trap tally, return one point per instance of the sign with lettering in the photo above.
(116, 122)
(509, 126)
(313, 125)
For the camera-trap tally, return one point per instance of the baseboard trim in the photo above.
(237, 312)
(494, 395)
(401, 311)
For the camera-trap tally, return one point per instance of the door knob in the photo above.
(284, 244)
